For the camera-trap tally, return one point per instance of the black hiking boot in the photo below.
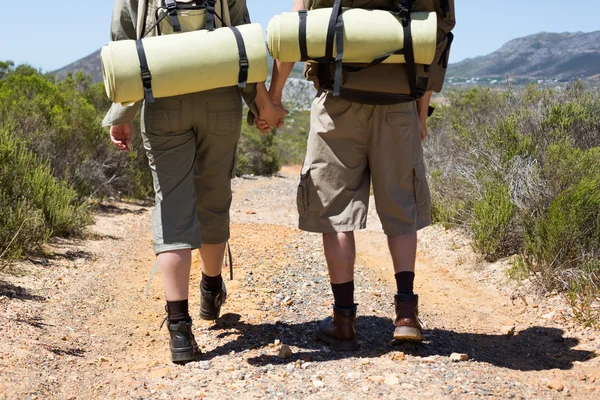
(183, 344)
(211, 302)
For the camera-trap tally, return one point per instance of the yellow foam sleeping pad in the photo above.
(184, 63)
(368, 34)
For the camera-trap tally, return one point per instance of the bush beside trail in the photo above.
(521, 172)
(57, 159)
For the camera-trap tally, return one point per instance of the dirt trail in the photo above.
(76, 324)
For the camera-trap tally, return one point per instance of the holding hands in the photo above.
(271, 112)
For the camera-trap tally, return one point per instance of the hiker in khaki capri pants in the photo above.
(190, 141)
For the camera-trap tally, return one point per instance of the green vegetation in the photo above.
(56, 159)
(521, 172)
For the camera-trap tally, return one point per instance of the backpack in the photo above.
(379, 83)
(165, 17)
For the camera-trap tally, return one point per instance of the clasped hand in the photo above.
(271, 116)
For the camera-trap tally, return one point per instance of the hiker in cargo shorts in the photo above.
(371, 133)
(190, 141)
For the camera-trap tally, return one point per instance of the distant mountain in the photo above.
(544, 56)
(91, 65)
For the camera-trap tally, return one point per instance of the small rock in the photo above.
(508, 330)
(555, 385)
(285, 352)
(549, 315)
(306, 365)
(399, 356)
(392, 381)
(582, 377)
(159, 373)
(249, 212)
(377, 379)
(277, 342)
(204, 364)
(456, 357)
(80, 261)
(102, 359)
(318, 384)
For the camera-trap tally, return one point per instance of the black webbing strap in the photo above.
(229, 261)
(145, 71)
(339, 44)
(210, 14)
(405, 8)
(373, 63)
(335, 13)
(336, 30)
(303, 15)
(158, 21)
(244, 63)
(172, 11)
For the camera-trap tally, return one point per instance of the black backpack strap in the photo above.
(336, 31)
(373, 63)
(145, 72)
(172, 11)
(339, 42)
(210, 14)
(405, 8)
(335, 13)
(244, 63)
(303, 15)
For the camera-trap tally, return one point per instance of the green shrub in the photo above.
(567, 236)
(520, 170)
(257, 154)
(33, 203)
(61, 123)
(491, 215)
(291, 138)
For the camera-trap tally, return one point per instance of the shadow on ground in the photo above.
(534, 349)
(18, 293)
(116, 210)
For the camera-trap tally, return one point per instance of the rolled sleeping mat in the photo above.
(368, 34)
(184, 63)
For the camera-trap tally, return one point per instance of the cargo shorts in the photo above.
(191, 141)
(351, 145)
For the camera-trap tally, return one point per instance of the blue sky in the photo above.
(49, 34)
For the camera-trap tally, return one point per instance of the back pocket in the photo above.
(222, 118)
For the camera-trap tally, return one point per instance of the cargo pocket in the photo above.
(222, 118)
(422, 195)
(302, 195)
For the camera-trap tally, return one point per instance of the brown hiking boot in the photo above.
(338, 331)
(408, 326)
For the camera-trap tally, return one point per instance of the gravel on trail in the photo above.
(78, 325)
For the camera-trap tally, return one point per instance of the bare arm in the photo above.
(282, 70)
(423, 109)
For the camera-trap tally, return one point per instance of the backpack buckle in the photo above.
(171, 6)
(146, 76)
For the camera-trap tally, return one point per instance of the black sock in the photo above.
(178, 311)
(212, 283)
(343, 294)
(405, 281)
